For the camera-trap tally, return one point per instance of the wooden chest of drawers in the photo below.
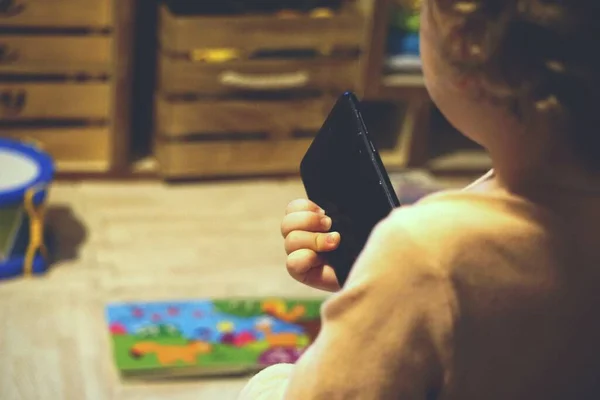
(64, 79)
(243, 95)
(57, 13)
(208, 138)
(181, 76)
(56, 54)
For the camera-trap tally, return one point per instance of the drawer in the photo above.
(232, 158)
(178, 118)
(55, 54)
(182, 34)
(68, 145)
(179, 76)
(57, 13)
(54, 101)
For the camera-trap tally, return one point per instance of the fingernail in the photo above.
(321, 211)
(326, 222)
(331, 238)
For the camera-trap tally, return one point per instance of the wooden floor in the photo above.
(137, 241)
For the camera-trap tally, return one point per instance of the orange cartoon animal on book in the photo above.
(279, 309)
(171, 354)
(284, 339)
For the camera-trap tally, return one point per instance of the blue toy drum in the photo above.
(26, 174)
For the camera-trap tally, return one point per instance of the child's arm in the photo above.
(385, 335)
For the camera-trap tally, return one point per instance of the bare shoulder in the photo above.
(444, 227)
(421, 239)
(461, 214)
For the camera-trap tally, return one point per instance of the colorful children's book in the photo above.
(210, 337)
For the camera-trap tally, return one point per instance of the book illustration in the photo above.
(212, 334)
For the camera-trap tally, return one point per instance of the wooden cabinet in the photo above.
(249, 33)
(89, 147)
(64, 79)
(243, 95)
(180, 118)
(52, 101)
(56, 54)
(236, 137)
(240, 94)
(181, 76)
(57, 13)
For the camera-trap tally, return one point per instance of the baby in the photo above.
(492, 292)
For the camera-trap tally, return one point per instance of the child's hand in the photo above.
(305, 229)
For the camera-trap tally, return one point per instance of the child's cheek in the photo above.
(429, 59)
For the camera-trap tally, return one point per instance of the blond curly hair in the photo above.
(533, 56)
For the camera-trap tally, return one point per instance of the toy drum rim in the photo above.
(44, 177)
(13, 267)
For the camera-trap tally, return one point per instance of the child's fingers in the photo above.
(318, 242)
(300, 261)
(305, 221)
(307, 267)
(303, 205)
(322, 277)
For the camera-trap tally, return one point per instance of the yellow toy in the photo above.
(321, 13)
(215, 55)
(36, 231)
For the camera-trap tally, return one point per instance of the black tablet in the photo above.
(342, 172)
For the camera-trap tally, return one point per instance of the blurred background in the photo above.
(177, 128)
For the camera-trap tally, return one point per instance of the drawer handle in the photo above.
(12, 102)
(265, 82)
(10, 8)
(8, 55)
